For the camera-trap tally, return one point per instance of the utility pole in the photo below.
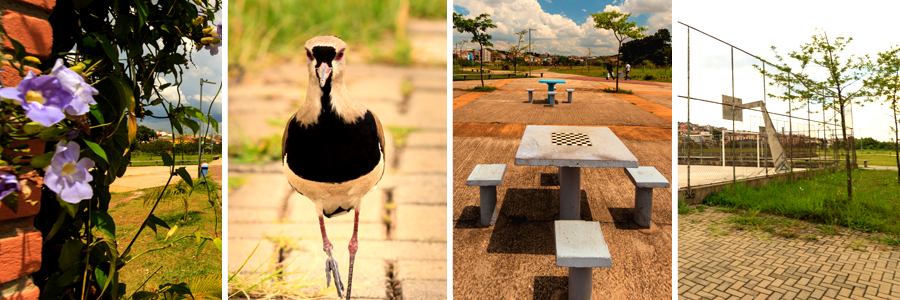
(200, 134)
(529, 50)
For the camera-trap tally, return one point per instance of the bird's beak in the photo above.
(324, 71)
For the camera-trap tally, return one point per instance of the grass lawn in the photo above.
(144, 159)
(823, 199)
(179, 262)
(660, 75)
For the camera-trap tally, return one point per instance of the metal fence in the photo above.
(723, 131)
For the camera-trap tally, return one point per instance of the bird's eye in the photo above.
(309, 55)
(340, 54)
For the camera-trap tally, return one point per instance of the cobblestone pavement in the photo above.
(717, 261)
(403, 224)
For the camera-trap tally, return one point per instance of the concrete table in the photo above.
(571, 148)
(580, 246)
(551, 83)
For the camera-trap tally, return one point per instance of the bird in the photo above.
(332, 147)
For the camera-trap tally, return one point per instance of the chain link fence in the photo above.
(731, 129)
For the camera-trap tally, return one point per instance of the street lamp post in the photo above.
(530, 50)
(200, 140)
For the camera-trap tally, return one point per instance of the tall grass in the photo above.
(823, 199)
(261, 31)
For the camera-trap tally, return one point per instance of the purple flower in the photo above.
(214, 49)
(73, 83)
(42, 97)
(8, 184)
(67, 176)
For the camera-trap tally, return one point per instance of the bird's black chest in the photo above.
(331, 150)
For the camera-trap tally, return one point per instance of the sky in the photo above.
(204, 66)
(561, 26)
(755, 26)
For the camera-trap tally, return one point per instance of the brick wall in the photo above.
(20, 243)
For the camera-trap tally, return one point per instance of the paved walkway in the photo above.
(136, 178)
(716, 261)
(514, 259)
(403, 224)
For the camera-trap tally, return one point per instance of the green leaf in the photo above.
(194, 113)
(70, 253)
(218, 243)
(108, 48)
(104, 223)
(33, 128)
(193, 125)
(141, 9)
(200, 248)
(12, 201)
(177, 289)
(97, 114)
(53, 133)
(152, 221)
(167, 159)
(97, 150)
(214, 123)
(43, 160)
(144, 295)
(68, 207)
(185, 176)
(102, 276)
(60, 220)
(73, 273)
(125, 92)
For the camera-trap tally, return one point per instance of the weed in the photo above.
(828, 229)
(400, 134)
(620, 91)
(486, 88)
(683, 207)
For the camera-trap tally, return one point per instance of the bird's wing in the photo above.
(284, 137)
(380, 133)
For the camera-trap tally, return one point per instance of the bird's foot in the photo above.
(331, 269)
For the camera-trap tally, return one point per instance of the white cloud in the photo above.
(584, 10)
(556, 33)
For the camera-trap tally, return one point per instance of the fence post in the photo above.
(689, 127)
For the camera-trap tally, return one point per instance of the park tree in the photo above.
(885, 83)
(587, 58)
(835, 87)
(621, 28)
(144, 133)
(477, 27)
(515, 51)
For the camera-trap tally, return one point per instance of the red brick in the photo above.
(29, 293)
(34, 33)
(20, 255)
(45, 5)
(25, 208)
(9, 76)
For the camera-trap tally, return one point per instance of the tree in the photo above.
(656, 48)
(144, 133)
(587, 58)
(833, 91)
(885, 82)
(621, 28)
(514, 51)
(477, 27)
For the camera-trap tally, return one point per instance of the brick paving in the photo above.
(716, 261)
(403, 224)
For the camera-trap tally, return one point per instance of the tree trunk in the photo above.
(481, 64)
(896, 148)
(846, 151)
(618, 60)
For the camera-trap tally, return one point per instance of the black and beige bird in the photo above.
(333, 147)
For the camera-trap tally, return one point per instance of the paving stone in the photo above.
(425, 112)
(419, 160)
(427, 139)
(424, 289)
(302, 210)
(249, 215)
(310, 230)
(420, 270)
(425, 189)
(261, 191)
(419, 222)
(239, 250)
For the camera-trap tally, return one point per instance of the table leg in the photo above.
(580, 283)
(569, 193)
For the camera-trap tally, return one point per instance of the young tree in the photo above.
(885, 82)
(835, 90)
(477, 27)
(514, 51)
(621, 28)
(587, 58)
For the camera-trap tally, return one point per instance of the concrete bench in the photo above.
(865, 163)
(530, 95)
(645, 179)
(580, 246)
(551, 97)
(570, 91)
(487, 177)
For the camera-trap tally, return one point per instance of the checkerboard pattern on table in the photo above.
(570, 139)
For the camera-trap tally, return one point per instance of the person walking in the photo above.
(608, 70)
(627, 70)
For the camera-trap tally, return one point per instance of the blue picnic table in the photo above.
(551, 83)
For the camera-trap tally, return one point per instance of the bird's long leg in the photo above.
(331, 266)
(353, 247)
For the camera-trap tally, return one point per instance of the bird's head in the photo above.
(325, 55)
